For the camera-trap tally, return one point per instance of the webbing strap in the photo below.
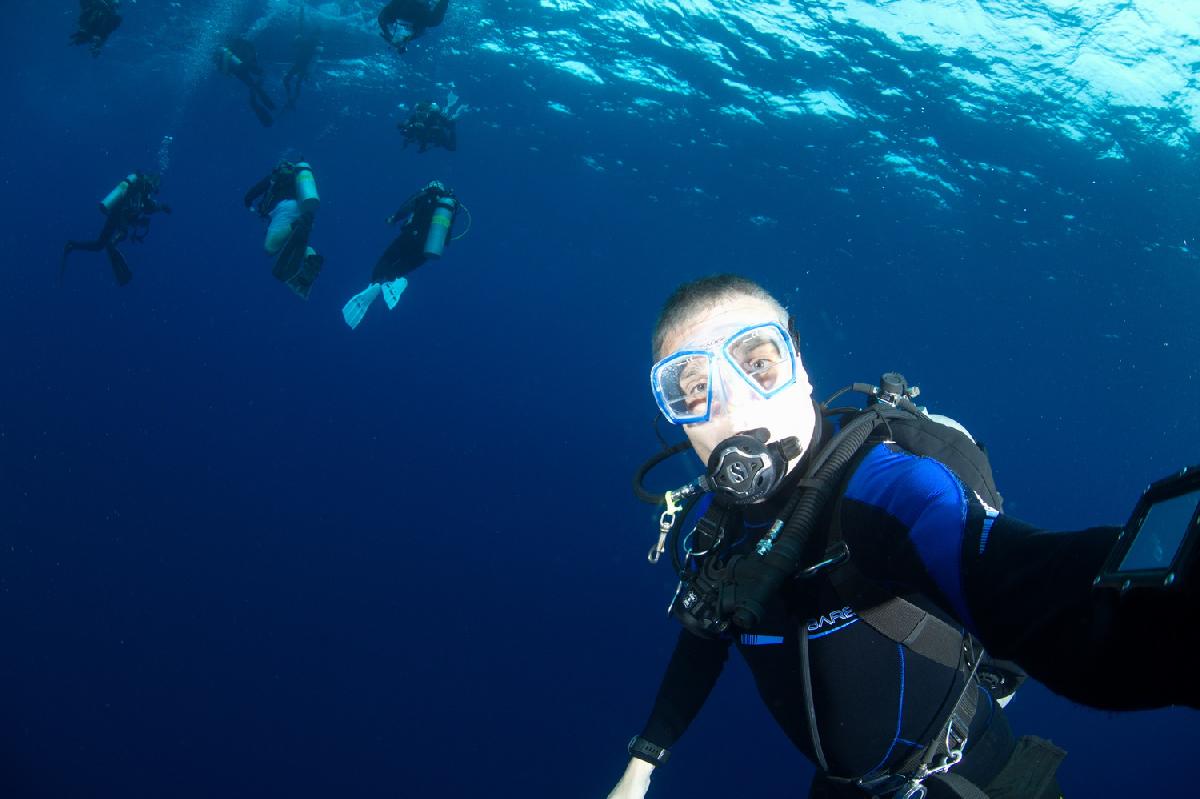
(908, 625)
(962, 787)
(1029, 772)
(950, 743)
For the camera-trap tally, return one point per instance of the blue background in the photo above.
(245, 551)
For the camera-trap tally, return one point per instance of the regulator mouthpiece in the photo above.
(745, 468)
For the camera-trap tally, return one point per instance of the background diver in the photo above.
(864, 615)
(430, 125)
(416, 15)
(427, 218)
(240, 59)
(288, 199)
(127, 208)
(305, 47)
(97, 21)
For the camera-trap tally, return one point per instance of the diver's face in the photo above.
(735, 408)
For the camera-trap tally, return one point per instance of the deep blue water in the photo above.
(245, 551)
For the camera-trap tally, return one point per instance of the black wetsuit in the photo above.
(407, 252)
(97, 21)
(430, 128)
(130, 218)
(295, 264)
(244, 66)
(1025, 593)
(306, 47)
(276, 187)
(417, 14)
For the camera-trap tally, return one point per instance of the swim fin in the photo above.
(302, 281)
(264, 116)
(354, 311)
(393, 290)
(292, 254)
(119, 266)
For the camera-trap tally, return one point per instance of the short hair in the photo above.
(700, 295)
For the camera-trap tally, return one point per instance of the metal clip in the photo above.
(673, 501)
(656, 551)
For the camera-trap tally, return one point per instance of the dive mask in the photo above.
(694, 384)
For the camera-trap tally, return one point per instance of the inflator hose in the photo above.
(784, 559)
(640, 475)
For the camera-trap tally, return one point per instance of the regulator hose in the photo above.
(783, 560)
(639, 476)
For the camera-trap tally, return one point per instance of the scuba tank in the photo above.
(306, 188)
(117, 194)
(439, 226)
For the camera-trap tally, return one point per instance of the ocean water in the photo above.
(246, 551)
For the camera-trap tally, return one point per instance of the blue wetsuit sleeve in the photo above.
(1026, 593)
(905, 518)
(691, 674)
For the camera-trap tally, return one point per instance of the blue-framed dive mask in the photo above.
(694, 384)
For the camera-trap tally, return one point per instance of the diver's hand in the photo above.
(634, 782)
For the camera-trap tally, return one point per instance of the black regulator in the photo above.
(748, 467)
(715, 593)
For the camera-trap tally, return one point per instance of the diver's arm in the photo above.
(1031, 594)
(1026, 593)
(405, 209)
(256, 191)
(691, 674)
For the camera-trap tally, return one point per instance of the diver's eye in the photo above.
(763, 371)
(696, 392)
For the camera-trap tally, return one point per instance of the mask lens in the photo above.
(682, 386)
(763, 357)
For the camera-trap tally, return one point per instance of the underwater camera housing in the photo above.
(1159, 542)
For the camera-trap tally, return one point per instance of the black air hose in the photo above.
(783, 560)
(640, 475)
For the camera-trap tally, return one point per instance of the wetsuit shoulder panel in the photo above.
(898, 501)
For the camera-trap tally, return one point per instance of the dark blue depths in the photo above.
(245, 551)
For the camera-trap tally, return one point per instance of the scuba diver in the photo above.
(287, 198)
(430, 125)
(97, 21)
(416, 15)
(427, 218)
(240, 59)
(306, 45)
(860, 562)
(127, 209)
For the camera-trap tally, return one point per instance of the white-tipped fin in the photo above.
(354, 311)
(393, 290)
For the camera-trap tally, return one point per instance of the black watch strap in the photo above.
(642, 749)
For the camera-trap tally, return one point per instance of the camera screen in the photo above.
(1161, 534)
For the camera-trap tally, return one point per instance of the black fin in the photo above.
(119, 266)
(291, 255)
